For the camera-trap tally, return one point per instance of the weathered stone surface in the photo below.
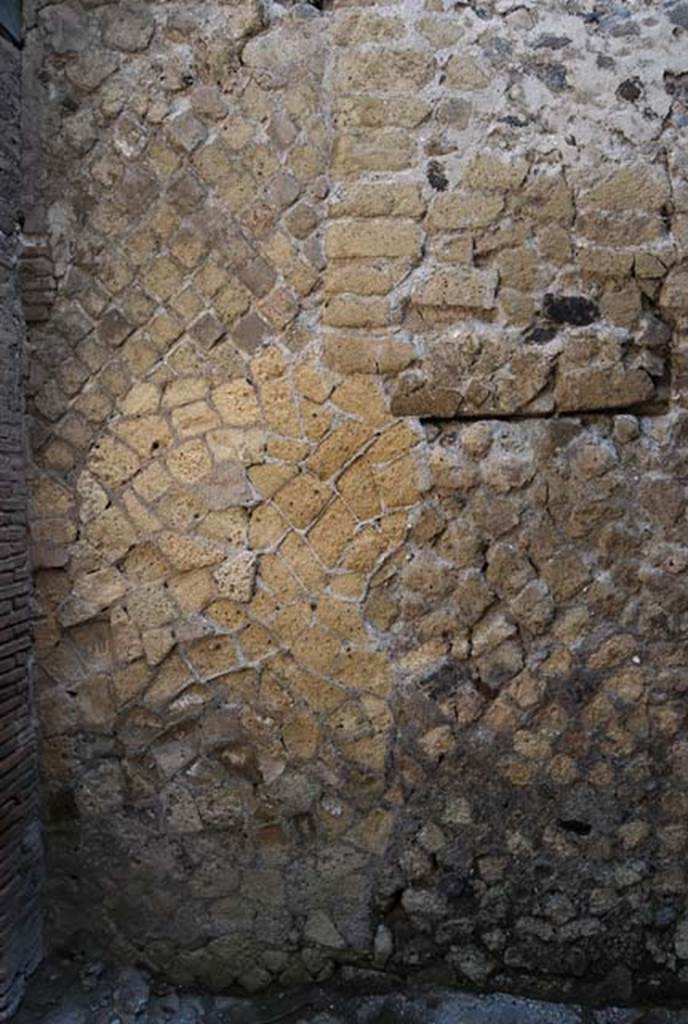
(388, 70)
(235, 577)
(130, 28)
(378, 237)
(471, 289)
(357, 386)
(452, 211)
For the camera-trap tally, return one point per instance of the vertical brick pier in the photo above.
(20, 857)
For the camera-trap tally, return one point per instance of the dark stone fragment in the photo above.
(665, 915)
(514, 122)
(453, 887)
(207, 330)
(114, 328)
(618, 23)
(680, 431)
(630, 90)
(257, 275)
(540, 335)
(497, 47)
(579, 828)
(676, 85)
(249, 332)
(480, 12)
(678, 15)
(570, 309)
(444, 681)
(554, 77)
(553, 42)
(131, 993)
(436, 176)
(654, 333)
(185, 194)
(138, 190)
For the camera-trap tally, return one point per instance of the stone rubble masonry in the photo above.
(20, 852)
(357, 344)
(92, 990)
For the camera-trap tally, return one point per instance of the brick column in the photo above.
(20, 857)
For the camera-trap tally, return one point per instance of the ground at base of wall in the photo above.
(66, 992)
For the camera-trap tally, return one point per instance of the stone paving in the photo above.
(92, 993)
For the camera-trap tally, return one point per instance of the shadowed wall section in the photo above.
(20, 920)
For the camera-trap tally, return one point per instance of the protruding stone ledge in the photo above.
(493, 372)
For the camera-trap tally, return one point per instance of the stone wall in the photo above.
(359, 487)
(20, 922)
